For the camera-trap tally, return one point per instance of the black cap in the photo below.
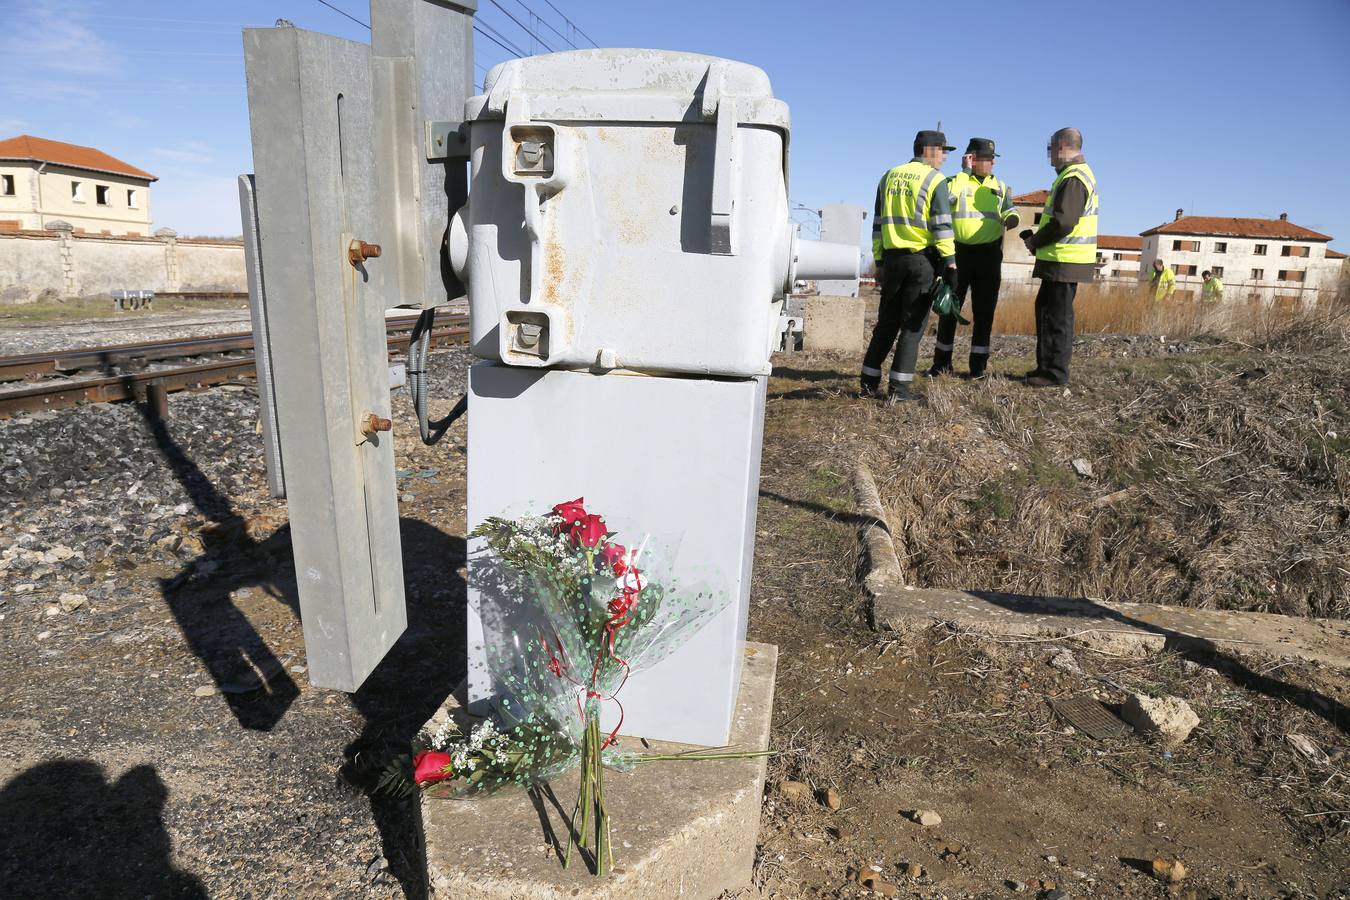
(981, 147)
(931, 139)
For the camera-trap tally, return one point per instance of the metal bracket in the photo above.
(444, 141)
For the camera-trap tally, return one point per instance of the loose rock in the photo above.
(1169, 871)
(71, 602)
(928, 818)
(830, 798)
(794, 792)
(1171, 718)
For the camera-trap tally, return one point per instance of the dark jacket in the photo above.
(1066, 208)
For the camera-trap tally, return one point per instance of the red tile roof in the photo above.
(1216, 226)
(1033, 198)
(1119, 242)
(1334, 254)
(27, 147)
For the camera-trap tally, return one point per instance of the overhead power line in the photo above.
(522, 25)
(516, 53)
(536, 17)
(572, 24)
(344, 13)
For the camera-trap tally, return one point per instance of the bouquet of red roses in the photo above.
(583, 613)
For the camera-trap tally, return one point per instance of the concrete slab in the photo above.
(833, 323)
(681, 829)
(1123, 626)
(1126, 627)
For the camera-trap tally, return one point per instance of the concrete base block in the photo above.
(681, 829)
(834, 323)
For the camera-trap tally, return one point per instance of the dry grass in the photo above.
(1110, 309)
(102, 308)
(1219, 480)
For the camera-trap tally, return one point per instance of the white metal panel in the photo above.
(673, 456)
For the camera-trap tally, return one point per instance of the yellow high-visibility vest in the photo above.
(907, 193)
(1164, 283)
(979, 208)
(1080, 244)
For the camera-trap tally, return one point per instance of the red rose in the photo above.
(571, 511)
(430, 766)
(589, 532)
(613, 556)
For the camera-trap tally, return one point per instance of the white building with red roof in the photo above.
(1257, 259)
(43, 181)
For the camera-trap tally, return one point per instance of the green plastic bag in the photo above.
(944, 301)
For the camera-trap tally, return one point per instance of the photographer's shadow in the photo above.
(68, 831)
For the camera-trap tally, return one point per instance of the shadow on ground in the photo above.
(103, 838)
(407, 687)
(1187, 646)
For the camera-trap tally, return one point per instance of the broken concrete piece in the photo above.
(1171, 718)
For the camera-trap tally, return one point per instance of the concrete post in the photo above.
(70, 283)
(170, 239)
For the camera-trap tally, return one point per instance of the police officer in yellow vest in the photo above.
(911, 238)
(982, 208)
(1065, 247)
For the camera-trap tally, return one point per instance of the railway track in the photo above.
(126, 378)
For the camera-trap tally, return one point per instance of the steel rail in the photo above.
(17, 368)
(63, 393)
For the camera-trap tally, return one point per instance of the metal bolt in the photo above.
(360, 251)
(375, 424)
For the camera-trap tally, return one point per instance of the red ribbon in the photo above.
(620, 611)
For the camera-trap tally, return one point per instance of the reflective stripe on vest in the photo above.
(908, 195)
(977, 208)
(1080, 244)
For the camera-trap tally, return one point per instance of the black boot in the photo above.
(942, 363)
(869, 385)
(899, 393)
(978, 363)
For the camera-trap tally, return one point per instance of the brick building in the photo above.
(1257, 259)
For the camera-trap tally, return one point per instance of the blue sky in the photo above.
(1222, 108)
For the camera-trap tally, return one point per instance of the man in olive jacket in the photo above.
(1065, 247)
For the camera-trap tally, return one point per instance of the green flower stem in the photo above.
(694, 754)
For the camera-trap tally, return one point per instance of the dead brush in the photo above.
(1111, 309)
(1215, 483)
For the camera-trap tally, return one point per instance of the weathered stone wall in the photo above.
(38, 263)
(28, 267)
(104, 266)
(210, 266)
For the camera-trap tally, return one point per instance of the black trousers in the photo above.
(1054, 329)
(979, 272)
(905, 280)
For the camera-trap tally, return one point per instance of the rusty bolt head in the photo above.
(375, 424)
(360, 251)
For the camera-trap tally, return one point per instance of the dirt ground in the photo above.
(161, 738)
(962, 725)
